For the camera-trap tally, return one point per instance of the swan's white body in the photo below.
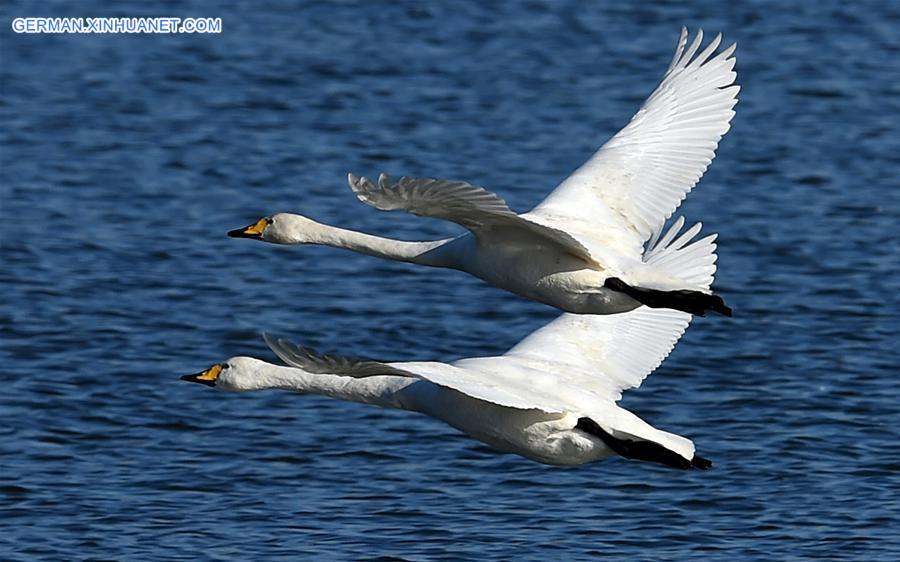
(593, 227)
(529, 401)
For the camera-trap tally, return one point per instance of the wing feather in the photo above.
(457, 201)
(472, 383)
(604, 354)
(318, 363)
(640, 176)
(468, 205)
(575, 362)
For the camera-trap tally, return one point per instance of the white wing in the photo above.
(510, 391)
(640, 176)
(587, 355)
(320, 363)
(456, 201)
(468, 205)
(603, 354)
(499, 383)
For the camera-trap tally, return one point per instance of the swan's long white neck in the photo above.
(300, 230)
(259, 375)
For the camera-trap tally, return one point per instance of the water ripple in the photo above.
(125, 160)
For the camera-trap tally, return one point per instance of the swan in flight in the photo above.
(551, 398)
(587, 247)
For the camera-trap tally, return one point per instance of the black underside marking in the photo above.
(694, 302)
(641, 450)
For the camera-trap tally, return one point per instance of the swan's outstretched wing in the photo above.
(640, 176)
(473, 207)
(318, 363)
(578, 359)
(577, 362)
(468, 382)
(604, 354)
(463, 203)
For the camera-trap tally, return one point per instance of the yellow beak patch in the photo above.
(253, 231)
(210, 374)
(258, 228)
(207, 377)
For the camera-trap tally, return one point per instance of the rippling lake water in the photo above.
(125, 159)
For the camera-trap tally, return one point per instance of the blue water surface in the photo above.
(124, 159)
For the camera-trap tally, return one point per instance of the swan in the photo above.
(585, 248)
(551, 398)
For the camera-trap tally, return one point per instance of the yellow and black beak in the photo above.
(207, 377)
(252, 231)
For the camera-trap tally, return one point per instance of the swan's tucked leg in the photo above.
(641, 450)
(693, 302)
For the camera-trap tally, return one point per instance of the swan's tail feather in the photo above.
(691, 262)
(677, 272)
(641, 449)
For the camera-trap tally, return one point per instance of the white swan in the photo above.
(582, 249)
(551, 398)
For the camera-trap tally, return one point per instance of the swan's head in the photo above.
(238, 373)
(280, 228)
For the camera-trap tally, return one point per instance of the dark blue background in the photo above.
(125, 159)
